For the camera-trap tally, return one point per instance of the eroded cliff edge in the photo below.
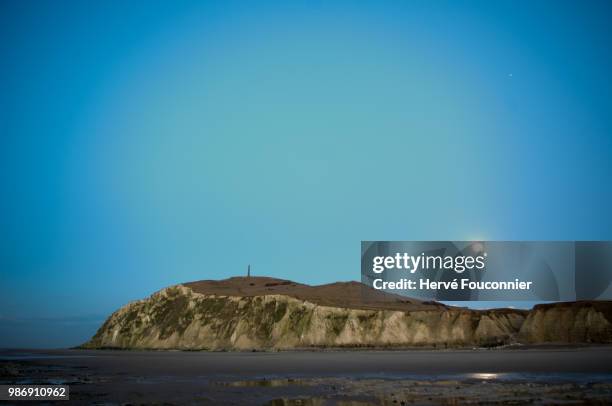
(568, 322)
(266, 313)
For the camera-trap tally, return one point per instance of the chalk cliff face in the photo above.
(178, 317)
(568, 322)
(266, 313)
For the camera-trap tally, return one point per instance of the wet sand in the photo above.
(502, 376)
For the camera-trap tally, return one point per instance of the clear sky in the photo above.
(149, 143)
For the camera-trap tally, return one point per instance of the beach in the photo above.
(537, 375)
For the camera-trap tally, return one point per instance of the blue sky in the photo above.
(144, 144)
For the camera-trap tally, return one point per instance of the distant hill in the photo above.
(246, 313)
(352, 295)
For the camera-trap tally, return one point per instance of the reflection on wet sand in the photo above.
(292, 379)
(482, 389)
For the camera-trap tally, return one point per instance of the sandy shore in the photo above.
(510, 376)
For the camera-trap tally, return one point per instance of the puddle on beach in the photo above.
(503, 389)
(265, 383)
(441, 379)
(319, 402)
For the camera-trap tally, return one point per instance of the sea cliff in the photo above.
(268, 314)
